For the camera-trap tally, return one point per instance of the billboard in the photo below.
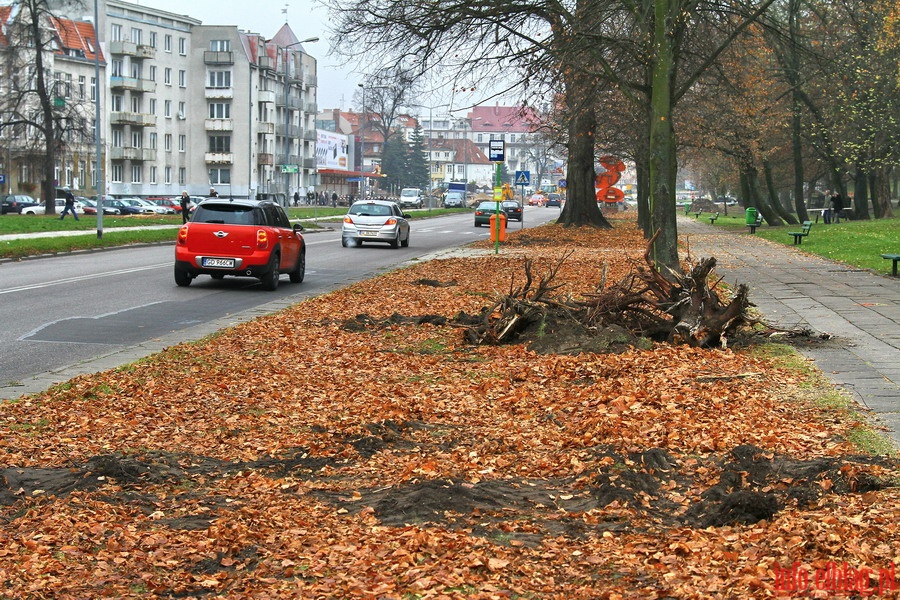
(332, 150)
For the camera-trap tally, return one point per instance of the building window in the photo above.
(152, 174)
(182, 78)
(168, 173)
(181, 111)
(135, 104)
(182, 176)
(152, 106)
(167, 142)
(153, 39)
(182, 46)
(220, 143)
(137, 139)
(167, 43)
(220, 110)
(479, 138)
(219, 79)
(93, 88)
(115, 102)
(220, 45)
(182, 143)
(167, 109)
(115, 67)
(218, 176)
(115, 173)
(136, 35)
(153, 139)
(152, 76)
(136, 173)
(167, 76)
(115, 33)
(81, 86)
(118, 138)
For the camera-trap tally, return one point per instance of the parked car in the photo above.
(145, 208)
(14, 203)
(122, 207)
(553, 200)
(483, 212)
(513, 210)
(175, 204)
(241, 238)
(40, 209)
(537, 200)
(375, 221)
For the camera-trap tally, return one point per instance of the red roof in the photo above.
(503, 119)
(76, 35)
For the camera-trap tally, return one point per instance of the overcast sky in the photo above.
(336, 83)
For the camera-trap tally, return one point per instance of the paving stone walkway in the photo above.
(793, 289)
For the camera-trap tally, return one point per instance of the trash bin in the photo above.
(750, 216)
(493, 223)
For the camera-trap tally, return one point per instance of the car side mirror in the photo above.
(298, 227)
(407, 216)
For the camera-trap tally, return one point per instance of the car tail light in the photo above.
(262, 239)
(391, 221)
(182, 235)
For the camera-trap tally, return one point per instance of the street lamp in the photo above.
(287, 113)
(362, 138)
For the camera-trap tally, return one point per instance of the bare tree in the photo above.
(37, 102)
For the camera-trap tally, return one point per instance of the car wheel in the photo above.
(344, 242)
(299, 271)
(477, 224)
(182, 277)
(395, 243)
(405, 243)
(270, 278)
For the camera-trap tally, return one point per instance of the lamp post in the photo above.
(362, 138)
(98, 182)
(287, 113)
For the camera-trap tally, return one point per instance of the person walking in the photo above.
(334, 199)
(185, 202)
(213, 193)
(837, 205)
(296, 197)
(70, 204)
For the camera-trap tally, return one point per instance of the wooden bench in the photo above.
(712, 218)
(697, 213)
(895, 258)
(799, 235)
(756, 223)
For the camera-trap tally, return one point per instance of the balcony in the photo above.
(145, 51)
(265, 159)
(265, 128)
(219, 124)
(219, 93)
(310, 135)
(288, 159)
(267, 96)
(130, 118)
(309, 163)
(132, 83)
(265, 62)
(310, 80)
(292, 131)
(310, 107)
(219, 158)
(218, 57)
(129, 153)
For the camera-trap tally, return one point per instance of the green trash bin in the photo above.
(750, 216)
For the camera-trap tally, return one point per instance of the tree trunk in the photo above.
(662, 160)
(643, 191)
(581, 201)
(861, 195)
(882, 193)
(797, 157)
(774, 202)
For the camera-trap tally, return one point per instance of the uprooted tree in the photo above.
(678, 308)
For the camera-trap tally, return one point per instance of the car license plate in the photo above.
(227, 263)
(368, 233)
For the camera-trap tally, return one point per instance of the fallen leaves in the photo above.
(277, 480)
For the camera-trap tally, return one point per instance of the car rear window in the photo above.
(229, 214)
(370, 210)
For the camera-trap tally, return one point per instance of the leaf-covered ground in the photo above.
(354, 446)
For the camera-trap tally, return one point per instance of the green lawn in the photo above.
(856, 243)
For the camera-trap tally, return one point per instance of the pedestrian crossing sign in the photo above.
(523, 177)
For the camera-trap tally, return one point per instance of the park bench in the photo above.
(712, 218)
(799, 235)
(687, 209)
(697, 213)
(756, 223)
(895, 258)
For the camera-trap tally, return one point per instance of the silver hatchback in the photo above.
(375, 221)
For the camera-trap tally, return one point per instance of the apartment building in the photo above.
(184, 106)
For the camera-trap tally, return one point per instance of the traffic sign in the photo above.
(2, 179)
(290, 168)
(561, 183)
(496, 150)
(523, 177)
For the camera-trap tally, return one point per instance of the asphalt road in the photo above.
(61, 315)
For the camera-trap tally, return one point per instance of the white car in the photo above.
(39, 209)
(375, 221)
(147, 208)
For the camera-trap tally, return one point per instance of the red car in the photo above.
(241, 238)
(173, 204)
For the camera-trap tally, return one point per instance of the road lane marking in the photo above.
(37, 286)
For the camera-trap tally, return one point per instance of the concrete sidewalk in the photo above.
(793, 289)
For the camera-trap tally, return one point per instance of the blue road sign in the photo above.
(523, 177)
(561, 183)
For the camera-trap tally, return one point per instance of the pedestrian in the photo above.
(70, 204)
(296, 198)
(213, 193)
(310, 197)
(333, 199)
(837, 204)
(185, 202)
(826, 210)
(350, 200)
